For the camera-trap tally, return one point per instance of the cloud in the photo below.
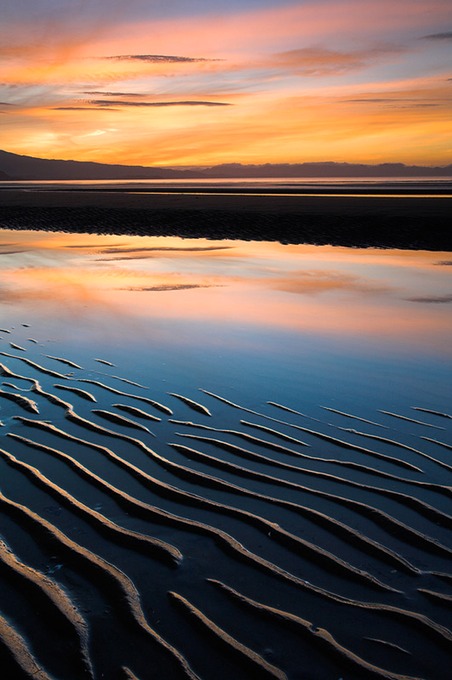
(434, 299)
(83, 108)
(147, 253)
(164, 249)
(12, 248)
(447, 35)
(418, 93)
(98, 93)
(122, 102)
(169, 286)
(158, 58)
(313, 282)
(398, 102)
(319, 61)
(382, 100)
(444, 263)
(223, 56)
(114, 104)
(81, 245)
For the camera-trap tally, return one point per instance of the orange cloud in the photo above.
(289, 128)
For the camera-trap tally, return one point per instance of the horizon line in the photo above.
(237, 164)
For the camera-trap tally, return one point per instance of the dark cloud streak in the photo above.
(158, 58)
(84, 108)
(101, 103)
(447, 35)
(168, 286)
(194, 249)
(397, 102)
(98, 93)
(434, 299)
(380, 100)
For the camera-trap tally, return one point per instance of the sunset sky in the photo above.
(201, 82)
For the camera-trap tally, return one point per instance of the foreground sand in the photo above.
(273, 539)
(349, 220)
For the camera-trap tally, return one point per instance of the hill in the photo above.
(29, 168)
(14, 166)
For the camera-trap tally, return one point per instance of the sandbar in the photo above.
(387, 219)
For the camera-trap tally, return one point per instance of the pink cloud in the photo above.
(272, 29)
(317, 61)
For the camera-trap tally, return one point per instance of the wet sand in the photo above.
(150, 512)
(271, 551)
(385, 219)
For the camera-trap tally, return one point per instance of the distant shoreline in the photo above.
(20, 167)
(340, 218)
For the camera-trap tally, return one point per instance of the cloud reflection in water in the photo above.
(348, 293)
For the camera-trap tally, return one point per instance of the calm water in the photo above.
(317, 325)
(277, 535)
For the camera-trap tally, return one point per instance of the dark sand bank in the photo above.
(387, 221)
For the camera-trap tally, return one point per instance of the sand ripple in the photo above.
(228, 549)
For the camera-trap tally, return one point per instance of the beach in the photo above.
(384, 218)
(139, 521)
(240, 446)
(225, 340)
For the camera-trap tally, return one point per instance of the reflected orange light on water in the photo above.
(372, 294)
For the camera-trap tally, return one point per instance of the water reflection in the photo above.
(374, 295)
(356, 330)
(354, 339)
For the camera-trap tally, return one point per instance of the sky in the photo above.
(203, 82)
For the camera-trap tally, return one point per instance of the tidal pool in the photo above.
(313, 322)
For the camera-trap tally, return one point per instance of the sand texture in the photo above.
(388, 221)
(286, 545)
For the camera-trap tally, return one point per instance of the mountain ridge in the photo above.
(21, 167)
